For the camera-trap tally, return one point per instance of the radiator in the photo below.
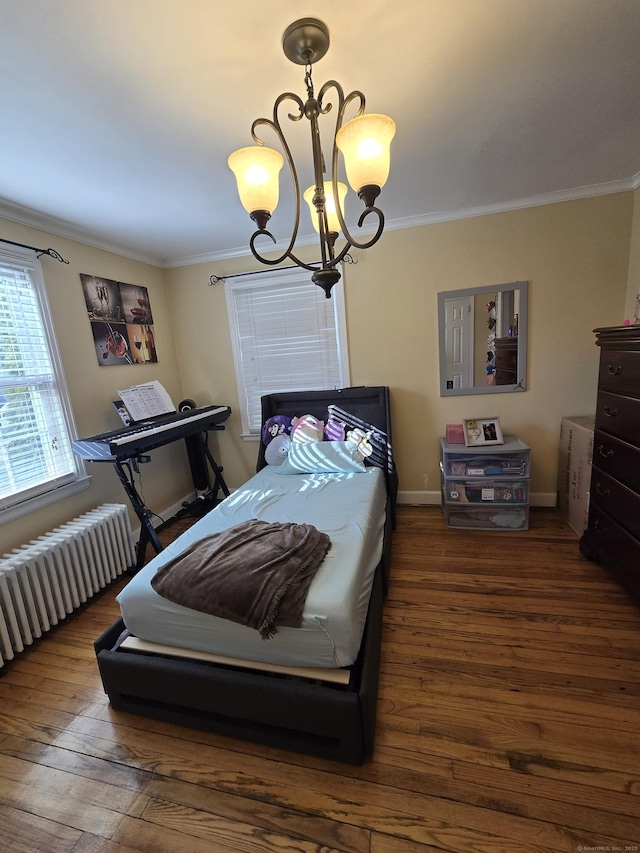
(45, 580)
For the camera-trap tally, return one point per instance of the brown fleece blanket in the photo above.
(257, 573)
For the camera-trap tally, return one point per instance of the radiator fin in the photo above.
(48, 578)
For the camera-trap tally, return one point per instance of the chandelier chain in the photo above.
(308, 81)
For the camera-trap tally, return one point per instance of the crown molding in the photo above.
(555, 197)
(59, 228)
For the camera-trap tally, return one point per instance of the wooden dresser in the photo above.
(613, 533)
(506, 361)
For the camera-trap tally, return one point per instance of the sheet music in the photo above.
(147, 401)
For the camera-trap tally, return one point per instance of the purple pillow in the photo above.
(277, 425)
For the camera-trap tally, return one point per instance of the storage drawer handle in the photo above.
(603, 492)
(600, 527)
(614, 371)
(605, 452)
(609, 412)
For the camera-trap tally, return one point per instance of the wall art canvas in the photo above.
(121, 321)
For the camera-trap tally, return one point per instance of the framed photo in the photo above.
(481, 431)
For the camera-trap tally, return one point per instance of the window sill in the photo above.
(33, 504)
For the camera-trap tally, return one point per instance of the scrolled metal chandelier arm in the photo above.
(343, 104)
(352, 242)
(275, 126)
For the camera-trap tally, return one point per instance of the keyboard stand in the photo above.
(147, 530)
(126, 449)
(219, 485)
(125, 469)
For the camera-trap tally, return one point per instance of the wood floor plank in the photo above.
(519, 704)
(85, 804)
(79, 764)
(13, 693)
(65, 811)
(22, 832)
(391, 844)
(269, 818)
(219, 831)
(583, 794)
(146, 837)
(88, 843)
(545, 660)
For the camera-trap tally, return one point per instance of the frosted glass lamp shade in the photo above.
(257, 169)
(365, 142)
(330, 205)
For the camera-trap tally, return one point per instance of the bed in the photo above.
(312, 688)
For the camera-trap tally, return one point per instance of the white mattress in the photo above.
(350, 508)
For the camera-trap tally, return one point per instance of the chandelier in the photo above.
(364, 142)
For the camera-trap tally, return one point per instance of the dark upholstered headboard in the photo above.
(368, 404)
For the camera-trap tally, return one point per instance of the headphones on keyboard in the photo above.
(186, 405)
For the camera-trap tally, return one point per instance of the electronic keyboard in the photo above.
(143, 436)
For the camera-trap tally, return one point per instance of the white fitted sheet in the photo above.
(350, 508)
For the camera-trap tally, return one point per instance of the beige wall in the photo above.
(92, 388)
(576, 256)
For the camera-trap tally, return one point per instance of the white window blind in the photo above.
(36, 456)
(286, 336)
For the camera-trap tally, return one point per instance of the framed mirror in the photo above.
(482, 336)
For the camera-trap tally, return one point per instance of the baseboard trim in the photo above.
(420, 498)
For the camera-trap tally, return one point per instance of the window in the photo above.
(37, 464)
(286, 336)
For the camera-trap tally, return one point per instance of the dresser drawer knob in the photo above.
(605, 452)
(609, 412)
(602, 491)
(614, 370)
(600, 528)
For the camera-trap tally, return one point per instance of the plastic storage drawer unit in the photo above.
(486, 488)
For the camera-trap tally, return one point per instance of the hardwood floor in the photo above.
(508, 720)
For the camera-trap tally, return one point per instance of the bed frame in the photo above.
(277, 709)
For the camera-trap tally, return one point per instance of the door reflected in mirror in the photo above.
(483, 339)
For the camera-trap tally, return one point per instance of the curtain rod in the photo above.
(51, 252)
(216, 279)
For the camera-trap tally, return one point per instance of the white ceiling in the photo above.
(117, 116)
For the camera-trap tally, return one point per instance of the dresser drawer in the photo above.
(611, 544)
(619, 501)
(487, 517)
(620, 372)
(619, 416)
(507, 358)
(486, 491)
(617, 458)
(507, 460)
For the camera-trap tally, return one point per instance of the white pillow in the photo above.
(322, 457)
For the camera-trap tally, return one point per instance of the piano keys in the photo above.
(129, 442)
